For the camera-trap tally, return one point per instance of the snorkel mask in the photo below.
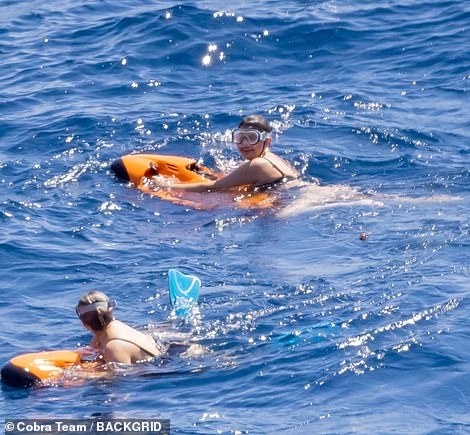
(250, 136)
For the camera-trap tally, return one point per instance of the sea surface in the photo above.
(304, 327)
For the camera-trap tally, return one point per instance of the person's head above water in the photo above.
(252, 136)
(95, 310)
(256, 122)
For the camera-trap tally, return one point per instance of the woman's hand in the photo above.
(88, 354)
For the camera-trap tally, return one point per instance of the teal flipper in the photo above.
(184, 291)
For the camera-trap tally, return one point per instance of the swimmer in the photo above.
(113, 340)
(262, 167)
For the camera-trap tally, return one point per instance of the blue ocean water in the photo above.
(305, 327)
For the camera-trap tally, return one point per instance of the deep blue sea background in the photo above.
(306, 328)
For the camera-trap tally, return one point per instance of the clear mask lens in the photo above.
(249, 136)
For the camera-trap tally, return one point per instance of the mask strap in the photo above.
(82, 309)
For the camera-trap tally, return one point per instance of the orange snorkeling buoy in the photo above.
(32, 369)
(139, 168)
(133, 167)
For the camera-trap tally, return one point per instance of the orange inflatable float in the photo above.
(140, 168)
(38, 368)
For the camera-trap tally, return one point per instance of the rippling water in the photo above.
(306, 328)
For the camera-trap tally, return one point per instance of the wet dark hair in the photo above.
(97, 319)
(257, 122)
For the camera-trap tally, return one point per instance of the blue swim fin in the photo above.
(184, 291)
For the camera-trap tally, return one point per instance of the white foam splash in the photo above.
(312, 197)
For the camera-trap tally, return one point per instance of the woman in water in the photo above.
(261, 168)
(113, 340)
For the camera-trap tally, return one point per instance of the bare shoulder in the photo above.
(259, 163)
(282, 165)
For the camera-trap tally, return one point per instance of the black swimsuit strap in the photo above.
(283, 175)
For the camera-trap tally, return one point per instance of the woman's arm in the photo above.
(203, 186)
(94, 344)
(249, 173)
